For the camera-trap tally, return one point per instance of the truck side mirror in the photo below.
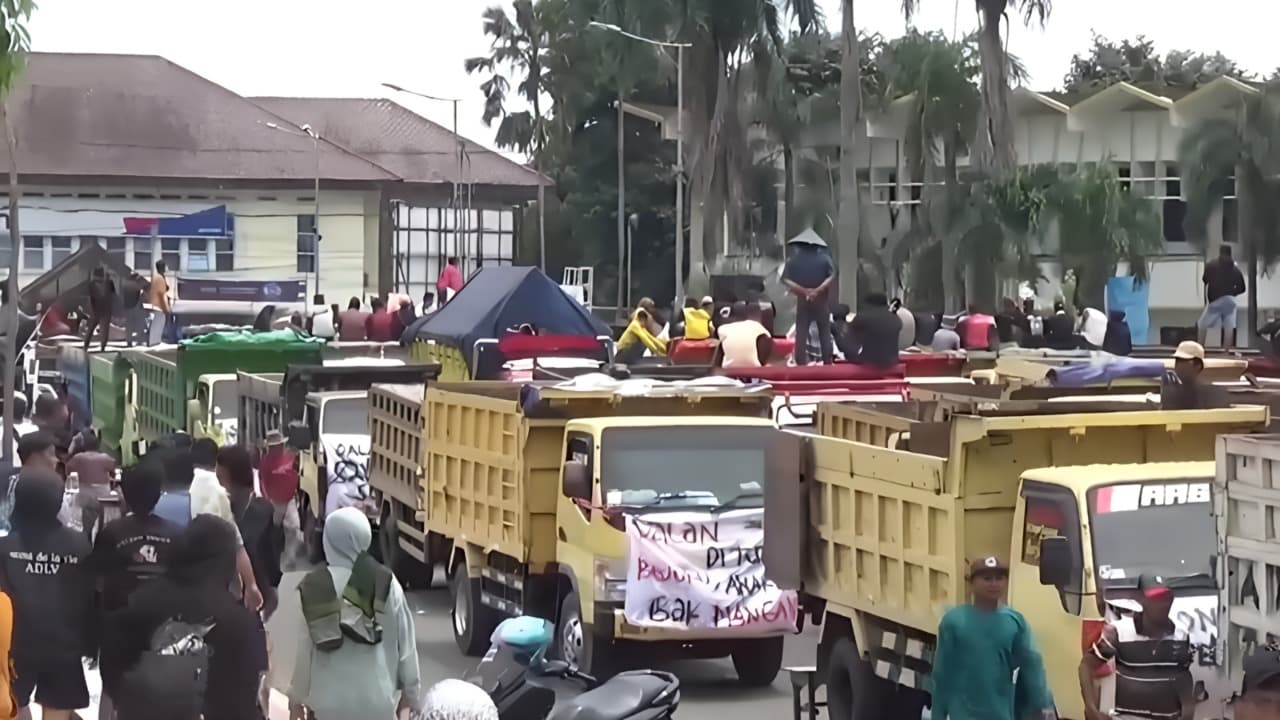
(195, 410)
(299, 436)
(1055, 562)
(576, 482)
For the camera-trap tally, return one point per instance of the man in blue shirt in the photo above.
(808, 275)
(980, 646)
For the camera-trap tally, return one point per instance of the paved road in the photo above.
(710, 689)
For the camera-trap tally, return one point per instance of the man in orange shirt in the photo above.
(159, 299)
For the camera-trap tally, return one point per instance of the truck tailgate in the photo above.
(1247, 504)
(886, 539)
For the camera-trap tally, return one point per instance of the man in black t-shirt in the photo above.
(102, 297)
(876, 328)
(134, 548)
(1223, 282)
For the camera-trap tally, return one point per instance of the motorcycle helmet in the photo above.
(527, 637)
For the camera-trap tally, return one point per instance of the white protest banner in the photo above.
(347, 465)
(701, 571)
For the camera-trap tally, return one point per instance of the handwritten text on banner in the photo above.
(693, 570)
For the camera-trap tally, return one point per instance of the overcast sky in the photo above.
(327, 48)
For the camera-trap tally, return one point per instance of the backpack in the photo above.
(331, 619)
(170, 679)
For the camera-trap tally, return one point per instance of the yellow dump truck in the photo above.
(1080, 498)
(532, 486)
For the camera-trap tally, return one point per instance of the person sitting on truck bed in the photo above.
(1153, 656)
(980, 647)
(641, 334)
(382, 326)
(1182, 388)
(351, 322)
(1260, 695)
(744, 342)
(876, 329)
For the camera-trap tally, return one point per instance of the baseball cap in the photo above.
(707, 300)
(988, 564)
(1260, 667)
(1153, 586)
(1189, 350)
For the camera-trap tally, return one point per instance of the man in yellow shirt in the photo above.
(641, 335)
(697, 318)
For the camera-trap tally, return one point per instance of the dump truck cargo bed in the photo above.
(493, 454)
(896, 513)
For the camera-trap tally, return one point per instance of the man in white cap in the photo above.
(1182, 388)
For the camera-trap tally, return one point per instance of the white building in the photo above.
(154, 162)
(1135, 129)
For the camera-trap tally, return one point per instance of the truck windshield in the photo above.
(346, 416)
(225, 397)
(673, 467)
(1162, 528)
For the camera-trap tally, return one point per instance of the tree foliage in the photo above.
(1137, 61)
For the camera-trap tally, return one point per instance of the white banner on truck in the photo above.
(347, 461)
(701, 571)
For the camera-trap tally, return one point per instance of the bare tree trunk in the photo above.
(1246, 189)
(995, 126)
(542, 222)
(849, 224)
(10, 308)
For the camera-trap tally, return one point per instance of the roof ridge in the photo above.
(241, 98)
(341, 148)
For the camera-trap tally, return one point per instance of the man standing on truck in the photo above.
(1153, 657)
(980, 647)
(1182, 388)
(159, 299)
(102, 298)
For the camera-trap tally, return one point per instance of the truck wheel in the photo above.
(577, 645)
(851, 684)
(757, 662)
(406, 567)
(473, 622)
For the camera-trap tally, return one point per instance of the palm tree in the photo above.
(849, 228)
(13, 58)
(1243, 144)
(1100, 224)
(993, 143)
(519, 45)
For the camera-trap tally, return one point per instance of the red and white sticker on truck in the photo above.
(1135, 496)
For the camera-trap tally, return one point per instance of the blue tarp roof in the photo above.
(498, 298)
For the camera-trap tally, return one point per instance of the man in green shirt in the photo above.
(980, 647)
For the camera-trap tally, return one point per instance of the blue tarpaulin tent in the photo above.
(496, 299)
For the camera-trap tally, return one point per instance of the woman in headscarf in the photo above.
(42, 569)
(336, 675)
(195, 590)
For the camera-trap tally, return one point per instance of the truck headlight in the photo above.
(611, 579)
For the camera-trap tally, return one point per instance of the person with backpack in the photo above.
(188, 649)
(42, 569)
(357, 655)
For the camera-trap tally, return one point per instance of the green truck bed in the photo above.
(166, 378)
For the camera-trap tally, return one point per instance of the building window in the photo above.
(306, 243)
(142, 254)
(424, 238)
(33, 253)
(118, 249)
(197, 255)
(224, 254)
(61, 248)
(171, 253)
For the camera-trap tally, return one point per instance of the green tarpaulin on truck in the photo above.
(237, 338)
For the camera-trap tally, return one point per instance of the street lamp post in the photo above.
(307, 131)
(460, 247)
(680, 48)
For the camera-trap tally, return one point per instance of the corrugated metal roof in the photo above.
(79, 114)
(400, 140)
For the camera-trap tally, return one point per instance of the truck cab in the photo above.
(1083, 535)
(699, 466)
(212, 412)
(333, 438)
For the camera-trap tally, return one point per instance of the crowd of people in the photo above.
(166, 586)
